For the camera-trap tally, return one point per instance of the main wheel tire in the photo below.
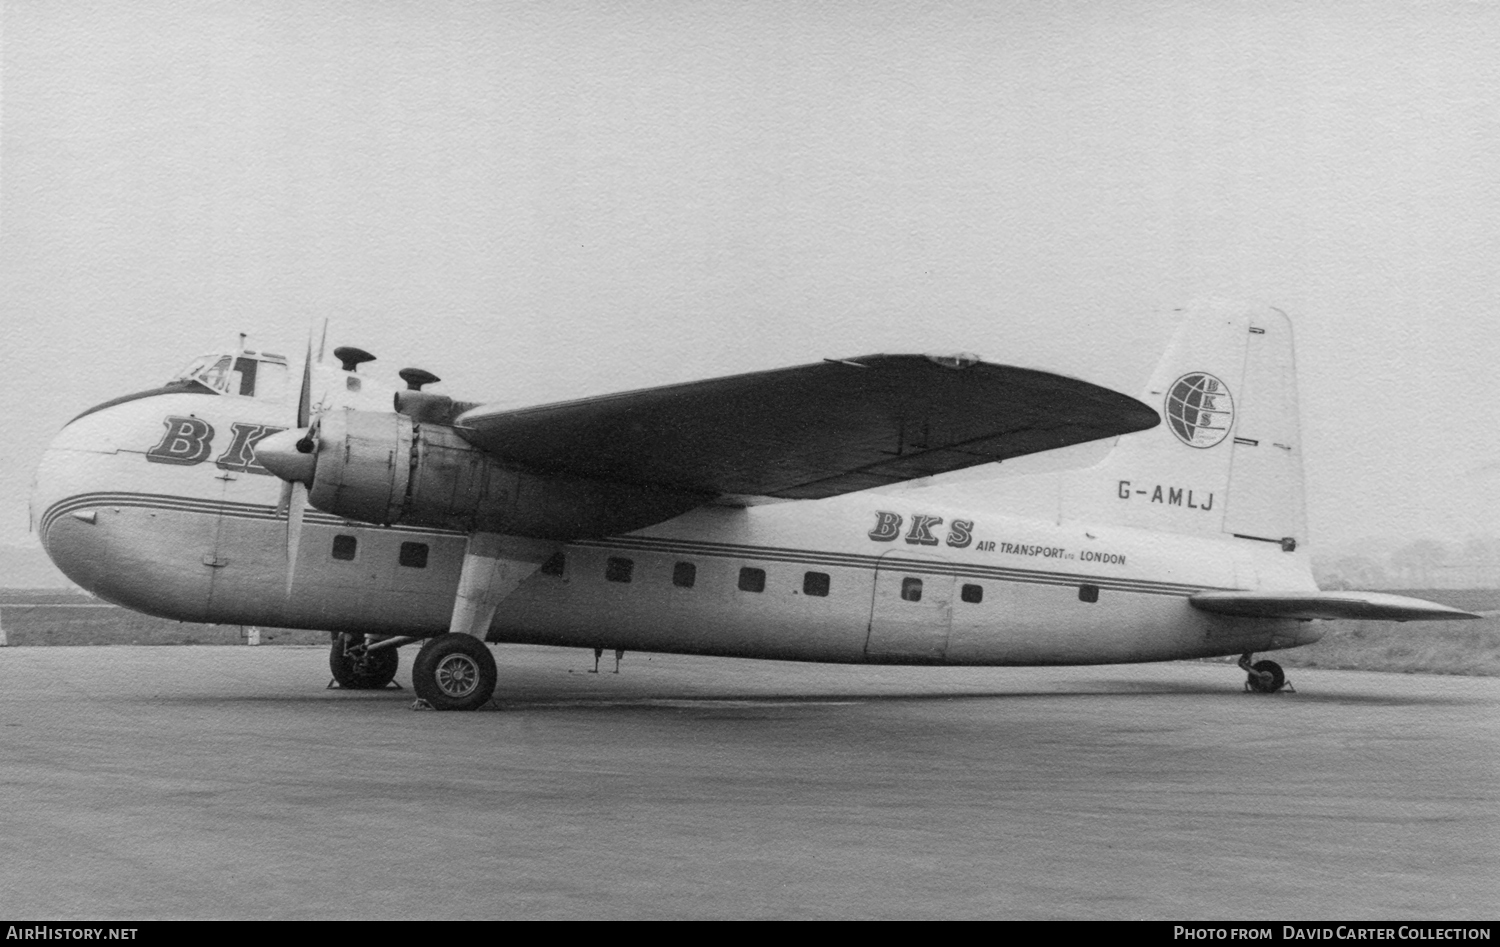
(454, 672)
(1262, 686)
(367, 672)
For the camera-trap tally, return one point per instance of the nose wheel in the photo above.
(1262, 677)
(357, 668)
(454, 672)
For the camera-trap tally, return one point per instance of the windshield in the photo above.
(210, 370)
(216, 376)
(193, 368)
(237, 375)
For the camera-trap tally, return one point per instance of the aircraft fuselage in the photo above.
(157, 504)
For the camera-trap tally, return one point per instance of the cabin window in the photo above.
(815, 583)
(1088, 593)
(413, 555)
(344, 547)
(617, 569)
(911, 589)
(974, 594)
(752, 580)
(684, 575)
(555, 564)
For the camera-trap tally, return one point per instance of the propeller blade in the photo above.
(296, 507)
(294, 493)
(304, 400)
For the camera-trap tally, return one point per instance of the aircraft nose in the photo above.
(284, 455)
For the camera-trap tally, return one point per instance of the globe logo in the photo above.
(1199, 409)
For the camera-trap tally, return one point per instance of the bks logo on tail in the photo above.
(1199, 410)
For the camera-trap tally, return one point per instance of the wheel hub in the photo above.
(457, 675)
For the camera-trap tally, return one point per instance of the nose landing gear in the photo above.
(1263, 677)
(357, 667)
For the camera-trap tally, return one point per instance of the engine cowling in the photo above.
(385, 467)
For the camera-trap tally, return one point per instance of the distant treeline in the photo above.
(1422, 563)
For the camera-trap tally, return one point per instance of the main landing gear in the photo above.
(358, 668)
(454, 672)
(1263, 677)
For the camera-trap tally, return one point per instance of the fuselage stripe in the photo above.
(955, 568)
(228, 508)
(642, 544)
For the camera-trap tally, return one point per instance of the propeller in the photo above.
(292, 454)
(294, 490)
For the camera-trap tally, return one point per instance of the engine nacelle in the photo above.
(382, 467)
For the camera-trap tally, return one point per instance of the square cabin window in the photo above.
(973, 594)
(617, 569)
(752, 580)
(344, 547)
(911, 589)
(684, 575)
(1088, 593)
(815, 583)
(555, 564)
(413, 555)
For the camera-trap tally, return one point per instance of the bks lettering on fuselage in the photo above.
(189, 441)
(888, 528)
(960, 535)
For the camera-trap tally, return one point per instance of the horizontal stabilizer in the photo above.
(1375, 606)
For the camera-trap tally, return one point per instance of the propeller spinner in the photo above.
(290, 455)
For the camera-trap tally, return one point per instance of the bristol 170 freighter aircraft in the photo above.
(752, 515)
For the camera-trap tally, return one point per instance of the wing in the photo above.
(812, 431)
(1307, 605)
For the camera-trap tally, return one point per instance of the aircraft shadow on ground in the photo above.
(536, 691)
(645, 701)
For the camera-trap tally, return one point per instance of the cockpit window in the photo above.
(245, 374)
(217, 375)
(190, 373)
(210, 370)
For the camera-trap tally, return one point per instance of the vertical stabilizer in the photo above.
(1226, 458)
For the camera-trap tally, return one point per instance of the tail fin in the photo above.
(1227, 457)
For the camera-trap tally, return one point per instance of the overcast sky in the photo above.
(543, 200)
